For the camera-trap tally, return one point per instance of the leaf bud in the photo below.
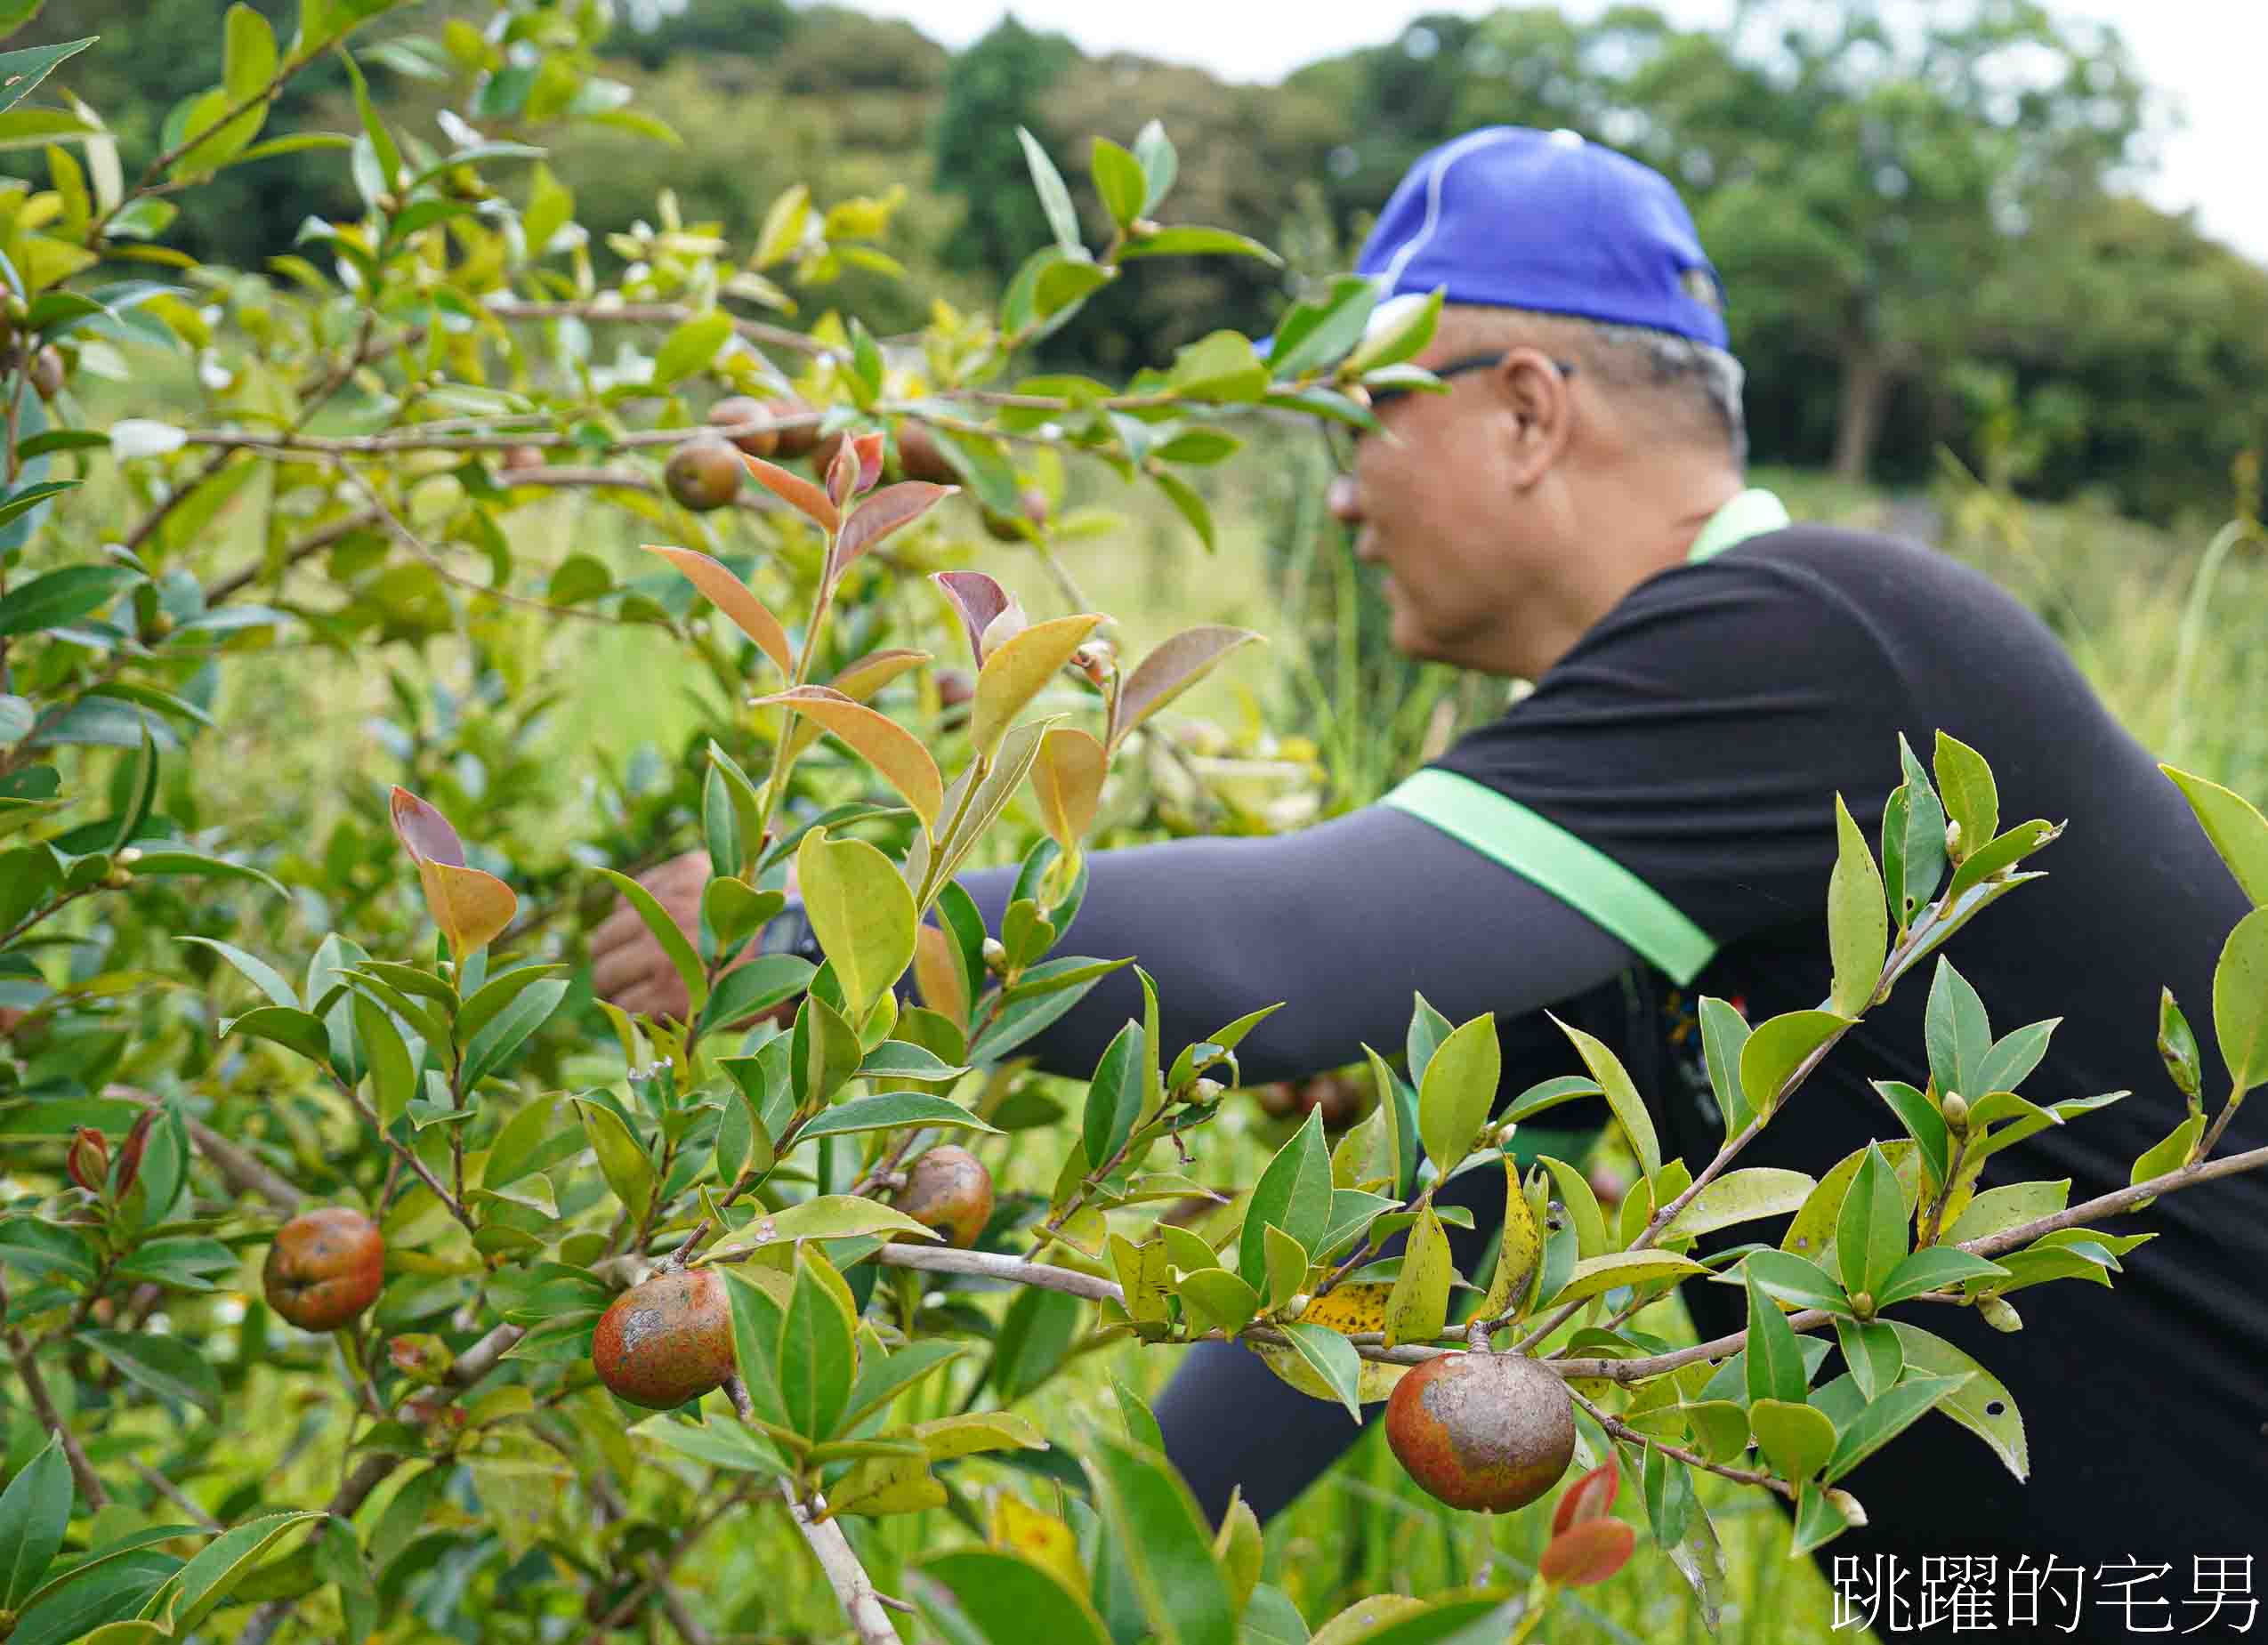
(1862, 1305)
(1298, 1306)
(996, 956)
(118, 879)
(1854, 1515)
(1094, 659)
(1205, 1093)
(1999, 1313)
(1955, 1108)
(89, 1159)
(1953, 840)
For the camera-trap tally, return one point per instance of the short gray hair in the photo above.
(1704, 378)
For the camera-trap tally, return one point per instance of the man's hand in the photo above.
(628, 968)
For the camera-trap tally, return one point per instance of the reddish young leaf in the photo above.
(904, 763)
(88, 1160)
(130, 1156)
(885, 512)
(1586, 1554)
(728, 595)
(794, 490)
(857, 465)
(1589, 1497)
(1175, 665)
(424, 832)
(978, 598)
(858, 681)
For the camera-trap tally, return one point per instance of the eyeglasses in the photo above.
(1342, 438)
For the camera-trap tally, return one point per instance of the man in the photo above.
(1655, 821)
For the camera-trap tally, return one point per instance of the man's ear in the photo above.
(1536, 407)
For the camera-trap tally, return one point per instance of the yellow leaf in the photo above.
(728, 595)
(1521, 1249)
(858, 681)
(937, 973)
(1419, 1306)
(1067, 778)
(881, 741)
(469, 906)
(1040, 1538)
(860, 910)
(1018, 671)
(1624, 1267)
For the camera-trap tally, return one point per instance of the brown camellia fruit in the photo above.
(1336, 1096)
(325, 1268)
(744, 409)
(955, 687)
(919, 457)
(800, 440)
(1487, 1430)
(518, 458)
(949, 1189)
(47, 372)
(703, 473)
(666, 1341)
(1278, 1099)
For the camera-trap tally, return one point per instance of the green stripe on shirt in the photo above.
(1579, 874)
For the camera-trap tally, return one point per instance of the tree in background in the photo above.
(993, 88)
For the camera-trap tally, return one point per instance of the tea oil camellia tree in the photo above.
(364, 1279)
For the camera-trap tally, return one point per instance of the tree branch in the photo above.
(90, 1489)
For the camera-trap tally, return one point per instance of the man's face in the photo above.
(1431, 499)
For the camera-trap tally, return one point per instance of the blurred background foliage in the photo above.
(1924, 214)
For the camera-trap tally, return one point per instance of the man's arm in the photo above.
(1344, 923)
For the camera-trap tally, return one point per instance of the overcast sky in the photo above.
(2210, 58)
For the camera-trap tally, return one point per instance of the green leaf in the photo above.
(885, 1110)
(1168, 1549)
(1964, 784)
(757, 984)
(1418, 1306)
(492, 1045)
(1113, 1097)
(1596, 1276)
(101, 1592)
(1912, 838)
(1796, 1438)
(394, 1079)
(1519, 1248)
(1958, 1033)
(828, 1216)
(692, 346)
(1294, 1194)
(861, 911)
(383, 149)
(1787, 1277)
(1775, 1364)
(1870, 1350)
(206, 1581)
(1933, 1267)
(58, 596)
(2241, 1003)
(2009, 1062)
(1332, 1359)
(1742, 1197)
(1858, 923)
(1923, 1123)
(1884, 1418)
(1870, 1230)
(1191, 507)
(1724, 1035)
(34, 1510)
(1982, 1405)
(1054, 199)
(1119, 180)
(623, 1161)
(1457, 1090)
(1004, 1596)
(1622, 1096)
(675, 943)
(1224, 1299)
(817, 1347)
(263, 976)
(898, 1059)
(884, 1377)
(2171, 1154)
(297, 1031)
(167, 1366)
(1191, 241)
(2238, 831)
(1777, 1049)
(20, 72)
(249, 57)
(1160, 163)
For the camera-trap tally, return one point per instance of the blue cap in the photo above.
(1508, 217)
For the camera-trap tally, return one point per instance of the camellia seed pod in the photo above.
(325, 1267)
(1486, 1430)
(703, 473)
(666, 1341)
(742, 409)
(949, 1189)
